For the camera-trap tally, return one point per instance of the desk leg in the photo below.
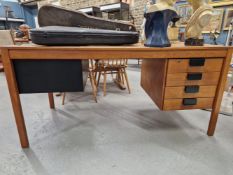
(219, 95)
(51, 101)
(15, 99)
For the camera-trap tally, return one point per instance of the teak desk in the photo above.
(176, 78)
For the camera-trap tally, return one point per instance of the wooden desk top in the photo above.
(115, 52)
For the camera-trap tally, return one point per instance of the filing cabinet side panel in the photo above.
(153, 79)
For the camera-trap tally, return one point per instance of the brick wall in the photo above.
(136, 10)
(76, 4)
(44, 2)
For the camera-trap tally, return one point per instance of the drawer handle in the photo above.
(189, 101)
(191, 89)
(194, 76)
(197, 62)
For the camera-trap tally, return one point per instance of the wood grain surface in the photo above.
(154, 73)
(153, 79)
(182, 65)
(179, 92)
(177, 104)
(180, 79)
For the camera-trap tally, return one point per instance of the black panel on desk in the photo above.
(42, 76)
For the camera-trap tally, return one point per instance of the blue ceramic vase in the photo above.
(156, 28)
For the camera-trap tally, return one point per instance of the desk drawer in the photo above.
(184, 79)
(43, 76)
(183, 104)
(194, 65)
(190, 92)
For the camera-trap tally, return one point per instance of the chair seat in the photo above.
(100, 69)
(110, 66)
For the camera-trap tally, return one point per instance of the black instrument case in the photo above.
(60, 35)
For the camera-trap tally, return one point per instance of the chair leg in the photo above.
(94, 90)
(51, 101)
(122, 76)
(105, 82)
(63, 98)
(98, 81)
(126, 79)
(95, 75)
(118, 76)
(94, 78)
(112, 75)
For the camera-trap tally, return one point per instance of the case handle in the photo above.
(189, 101)
(194, 76)
(191, 89)
(197, 62)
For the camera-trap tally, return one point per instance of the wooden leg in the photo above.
(119, 80)
(51, 101)
(15, 99)
(94, 79)
(1, 67)
(95, 75)
(219, 95)
(105, 83)
(122, 77)
(127, 80)
(118, 76)
(93, 84)
(63, 98)
(98, 81)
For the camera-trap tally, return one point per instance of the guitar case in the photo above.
(51, 15)
(60, 26)
(76, 36)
